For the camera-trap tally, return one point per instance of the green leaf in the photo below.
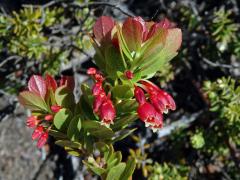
(123, 45)
(64, 97)
(56, 134)
(32, 101)
(96, 169)
(158, 56)
(72, 151)
(85, 109)
(114, 61)
(114, 159)
(126, 106)
(74, 128)
(67, 143)
(62, 119)
(123, 135)
(116, 172)
(97, 130)
(122, 122)
(122, 91)
(131, 165)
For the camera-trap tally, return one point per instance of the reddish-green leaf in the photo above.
(133, 30)
(37, 85)
(32, 101)
(103, 27)
(51, 82)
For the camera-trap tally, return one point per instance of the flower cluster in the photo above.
(102, 104)
(160, 102)
(42, 90)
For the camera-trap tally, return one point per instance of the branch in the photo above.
(216, 64)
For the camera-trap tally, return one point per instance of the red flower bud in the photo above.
(55, 108)
(37, 132)
(48, 117)
(42, 140)
(139, 95)
(32, 121)
(91, 71)
(129, 74)
(107, 112)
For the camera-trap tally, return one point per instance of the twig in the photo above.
(216, 64)
(90, 4)
(81, 6)
(9, 59)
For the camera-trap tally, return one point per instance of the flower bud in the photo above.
(129, 74)
(55, 108)
(139, 95)
(99, 99)
(48, 117)
(91, 71)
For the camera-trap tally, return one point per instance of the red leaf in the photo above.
(165, 24)
(51, 82)
(102, 28)
(133, 32)
(37, 85)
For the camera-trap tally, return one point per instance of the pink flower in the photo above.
(55, 108)
(51, 82)
(42, 140)
(32, 121)
(107, 112)
(37, 132)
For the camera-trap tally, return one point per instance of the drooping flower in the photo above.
(160, 99)
(37, 132)
(32, 121)
(42, 140)
(98, 101)
(107, 112)
(148, 114)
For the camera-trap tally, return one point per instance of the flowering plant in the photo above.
(127, 55)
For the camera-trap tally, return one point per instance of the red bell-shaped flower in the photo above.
(32, 121)
(148, 114)
(98, 101)
(107, 112)
(160, 99)
(42, 140)
(37, 132)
